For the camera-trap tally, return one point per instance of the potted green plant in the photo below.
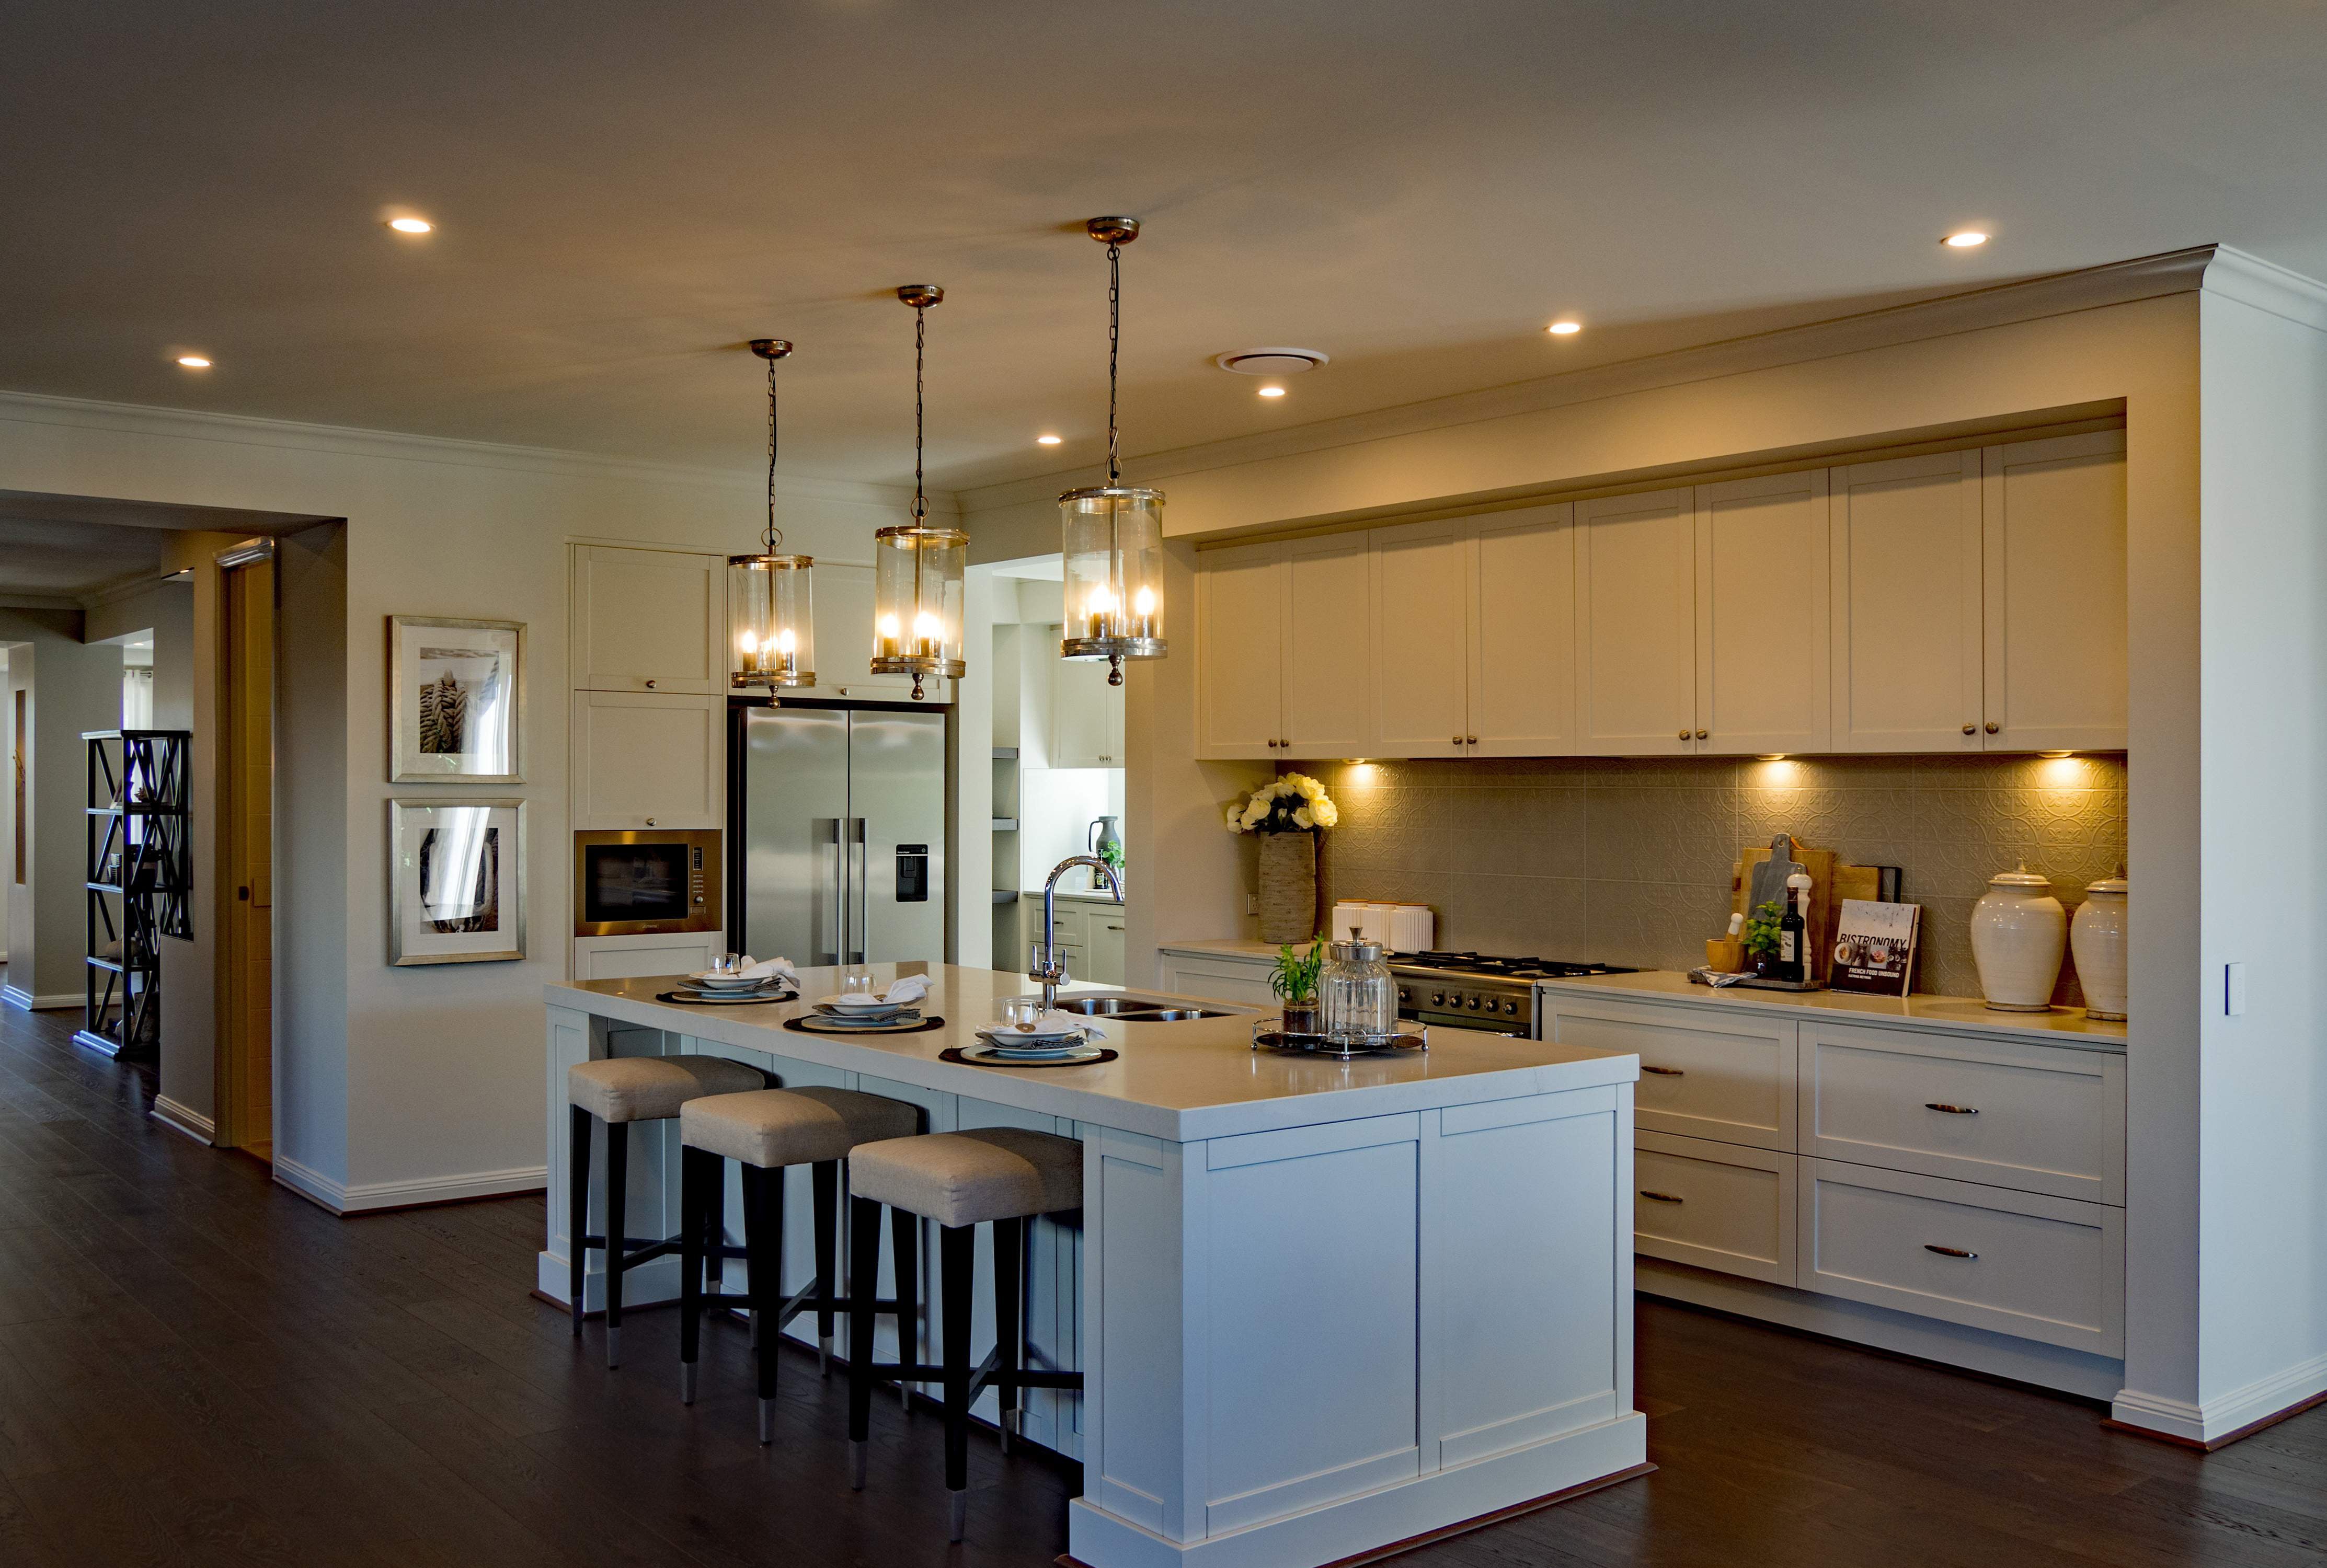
(1761, 937)
(1294, 981)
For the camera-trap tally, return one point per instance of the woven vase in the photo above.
(1288, 887)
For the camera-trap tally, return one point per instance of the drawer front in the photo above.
(2043, 1268)
(1220, 979)
(1728, 1080)
(2032, 1117)
(1717, 1205)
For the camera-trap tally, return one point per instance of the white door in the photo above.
(1104, 955)
(1239, 651)
(1636, 624)
(1906, 638)
(1327, 672)
(1762, 609)
(1522, 654)
(1086, 716)
(2054, 521)
(648, 619)
(1421, 601)
(649, 760)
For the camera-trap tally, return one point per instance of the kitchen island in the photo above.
(1320, 1307)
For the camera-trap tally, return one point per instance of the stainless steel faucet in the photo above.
(1045, 966)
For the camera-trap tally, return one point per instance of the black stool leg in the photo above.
(956, 1263)
(715, 1226)
(577, 1209)
(824, 1179)
(905, 1247)
(763, 1261)
(618, 1191)
(1009, 1266)
(863, 1277)
(696, 1172)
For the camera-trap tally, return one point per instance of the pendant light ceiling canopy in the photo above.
(770, 619)
(1111, 535)
(917, 569)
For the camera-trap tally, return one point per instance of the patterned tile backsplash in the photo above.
(1629, 862)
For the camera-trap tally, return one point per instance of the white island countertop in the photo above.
(1961, 1014)
(1183, 1082)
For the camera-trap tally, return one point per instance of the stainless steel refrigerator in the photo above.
(840, 820)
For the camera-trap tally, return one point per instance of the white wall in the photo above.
(73, 688)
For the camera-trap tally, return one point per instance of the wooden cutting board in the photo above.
(1830, 882)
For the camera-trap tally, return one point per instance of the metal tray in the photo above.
(1267, 1039)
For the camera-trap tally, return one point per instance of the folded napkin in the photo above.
(906, 990)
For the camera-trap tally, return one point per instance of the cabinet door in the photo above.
(1636, 624)
(1103, 949)
(1239, 651)
(1762, 609)
(1421, 601)
(1906, 638)
(2054, 520)
(1215, 978)
(1522, 669)
(634, 957)
(649, 760)
(647, 620)
(1086, 716)
(1327, 670)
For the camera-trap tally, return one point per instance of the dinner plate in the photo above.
(885, 1021)
(1011, 1039)
(732, 998)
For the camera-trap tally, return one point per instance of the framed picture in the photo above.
(456, 882)
(456, 701)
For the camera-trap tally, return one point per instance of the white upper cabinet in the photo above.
(2053, 512)
(1328, 648)
(1421, 613)
(1636, 624)
(1522, 654)
(1906, 605)
(1761, 614)
(1239, 651)
(647, 620)
(649, 760)
(1086, 715)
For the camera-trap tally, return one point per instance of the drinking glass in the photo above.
(1019, 1012)
(726, 963)
(856, 983)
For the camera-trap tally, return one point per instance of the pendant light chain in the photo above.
(920, 339)
(1114, 346)
(773, 535)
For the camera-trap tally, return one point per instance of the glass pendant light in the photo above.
(770, 619)
(1112, 535)
(916, 571)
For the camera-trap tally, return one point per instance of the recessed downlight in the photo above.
(194, 361)
(411, 225)
(1048, 440)
(1562, 328)
(1966, 240)
(1272, 391)
(1271, 361)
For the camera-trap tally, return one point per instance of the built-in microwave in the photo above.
(646, 881)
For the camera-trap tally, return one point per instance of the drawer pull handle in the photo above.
(1951, 1110)
(1948, 1251)
(1663, 1071)
(1659, 1196)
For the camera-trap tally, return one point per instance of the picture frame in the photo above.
(456, 701)
(456, 873)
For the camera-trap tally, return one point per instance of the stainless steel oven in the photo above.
(1481, 991)
(647, 882)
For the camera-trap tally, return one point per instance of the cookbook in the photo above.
(1874, 948)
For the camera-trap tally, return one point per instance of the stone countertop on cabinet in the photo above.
(2067, 1026)
(1182, 1082)
(1076, 896)
(1226, 947)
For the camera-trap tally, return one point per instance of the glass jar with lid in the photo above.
(1356, 994)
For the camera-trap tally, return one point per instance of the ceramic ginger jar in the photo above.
(2098, 938)
(2019, 932)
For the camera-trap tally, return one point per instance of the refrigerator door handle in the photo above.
(837, 951)
(859, 888)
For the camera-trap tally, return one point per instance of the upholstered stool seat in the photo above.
(1001, 1176)
(763, 1131)
(619, 1090)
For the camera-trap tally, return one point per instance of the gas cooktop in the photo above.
(1491, 966)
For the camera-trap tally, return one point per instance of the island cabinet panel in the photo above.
(1904, 570)
(1636, 624)
(645, 760)
(1217, 978)
(1718, 1206)
(647, 620)
(2055, 560)
(1761, 608)
(1522, 674)
(1729, 1078)
(1239, 651)
(1421, 610)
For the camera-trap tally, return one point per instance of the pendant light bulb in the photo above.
(917, 569)
(1111, 535)
(771, 611)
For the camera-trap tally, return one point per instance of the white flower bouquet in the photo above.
(1293, 804)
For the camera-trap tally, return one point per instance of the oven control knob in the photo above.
(1404, 995)
(1471, 1003)
(1511, 1009)
(1438, 999)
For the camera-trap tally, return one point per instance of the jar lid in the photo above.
(2108, 884)
(2020, 876)
(1356, 951)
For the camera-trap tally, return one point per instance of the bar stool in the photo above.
(618, 1091)
(765, 1131)
(1005, 1175)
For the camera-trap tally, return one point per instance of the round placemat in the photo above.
(954, 1053)
(727, 1001)
(808, 1026)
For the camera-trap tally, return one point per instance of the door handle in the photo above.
(1663, 1071)
(1661, 1197)
(836, 953)
(1951, 1110)
(860, 891)
(1947, 1251)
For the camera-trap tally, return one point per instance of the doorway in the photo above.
(246, 858)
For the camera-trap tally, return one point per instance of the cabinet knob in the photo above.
(1971, 729)
(1702, 733)
(1469, 740)
(1993, 726)
(1684, 734)
(649, 822)
(650, 685)
(1454, 739)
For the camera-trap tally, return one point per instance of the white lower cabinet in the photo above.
(634, 957)
(1215, 976)
(1718, 1206)
(1729, 1078)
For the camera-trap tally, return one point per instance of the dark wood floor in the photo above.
(198, 1368)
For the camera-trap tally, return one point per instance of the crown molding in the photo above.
(192, 425)
(2000, 304)
(2267, 286)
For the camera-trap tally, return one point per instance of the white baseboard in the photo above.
(184, 1119)
(341, 1198)
(2217, 1418)
(17, 997)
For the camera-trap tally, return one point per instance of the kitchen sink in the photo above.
(1136, 1009)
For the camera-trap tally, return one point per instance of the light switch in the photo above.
(2234, 990)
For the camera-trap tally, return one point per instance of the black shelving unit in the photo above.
(140, 881)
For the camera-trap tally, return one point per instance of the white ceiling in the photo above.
(627, 191)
